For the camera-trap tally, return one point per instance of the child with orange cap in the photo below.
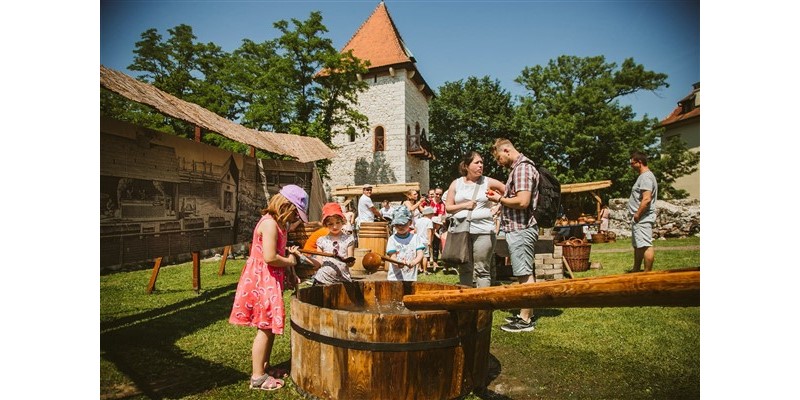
(333, 270)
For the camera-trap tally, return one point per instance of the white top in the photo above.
(406, 249)
(482, 221)
(422, 225)
(364, 212)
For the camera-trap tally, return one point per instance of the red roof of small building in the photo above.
(678, 116)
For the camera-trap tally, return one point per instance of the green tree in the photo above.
(573, 123)
(468, 115)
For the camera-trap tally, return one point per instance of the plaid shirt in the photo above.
(523, 177)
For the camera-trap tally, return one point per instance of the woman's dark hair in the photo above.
(466, 160)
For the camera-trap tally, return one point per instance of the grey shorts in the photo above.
(521, 250)
(642, 234)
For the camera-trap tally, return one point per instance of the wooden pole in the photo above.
(197, 134)
(153, 276)
(224, 260)
(675, 288)
(196, 271)
(569, 270)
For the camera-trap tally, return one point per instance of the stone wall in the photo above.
(674, 218)
(393, 103)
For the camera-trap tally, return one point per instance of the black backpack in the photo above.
(549, 203)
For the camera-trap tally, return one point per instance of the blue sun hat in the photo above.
(401, 216)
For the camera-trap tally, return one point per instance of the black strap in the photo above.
(384, 346)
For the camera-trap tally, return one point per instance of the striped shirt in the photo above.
(523, 177)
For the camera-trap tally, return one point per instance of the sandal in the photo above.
(276, 372)
(266, 382)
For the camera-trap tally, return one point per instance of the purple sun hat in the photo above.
(297, 196)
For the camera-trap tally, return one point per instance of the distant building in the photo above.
(684, 123)
(396, 147)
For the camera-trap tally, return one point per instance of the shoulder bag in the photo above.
(458, 247)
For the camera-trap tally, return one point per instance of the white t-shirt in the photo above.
(422, 225)
(482, 220)
(364, 210)
(406, 249)
(333, 270)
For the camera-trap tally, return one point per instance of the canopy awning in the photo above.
(304, 149)
(584, 186)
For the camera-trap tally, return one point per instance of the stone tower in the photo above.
(396, 148)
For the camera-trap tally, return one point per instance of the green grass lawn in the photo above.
(175, 343)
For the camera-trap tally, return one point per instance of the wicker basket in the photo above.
(576, 252)
(599, 237)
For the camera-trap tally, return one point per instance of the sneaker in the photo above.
(512, 318)
(519, 326)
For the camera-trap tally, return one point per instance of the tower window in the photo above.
(380, 139)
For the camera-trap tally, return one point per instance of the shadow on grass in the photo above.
(143, 347)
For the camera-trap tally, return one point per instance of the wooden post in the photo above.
(197, 134)
(152, 284)
(252, 151)
(224, 260)
(196, 271)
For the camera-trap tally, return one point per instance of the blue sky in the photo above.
(451, 40)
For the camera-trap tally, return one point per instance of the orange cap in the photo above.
(330, 209)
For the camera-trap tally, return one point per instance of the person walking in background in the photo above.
(478, 272)
(403, 246)
(423, 227)
(518, 223)
(258, 301)
(435, 201)
(642, 208)
(333, 269)
(366, 209)
(604, 215)
(349, 218)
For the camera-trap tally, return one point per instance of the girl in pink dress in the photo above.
(259, 295)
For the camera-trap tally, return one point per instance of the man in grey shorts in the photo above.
(518, 222)
(642, 208)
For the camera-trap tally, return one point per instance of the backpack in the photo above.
(549, 203)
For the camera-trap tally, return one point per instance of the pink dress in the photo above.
(259, 295)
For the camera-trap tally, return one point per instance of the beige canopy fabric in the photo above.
(584, 186)
(304, 149)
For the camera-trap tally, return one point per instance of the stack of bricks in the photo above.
(549, 266)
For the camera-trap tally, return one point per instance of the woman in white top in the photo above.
(480, 272)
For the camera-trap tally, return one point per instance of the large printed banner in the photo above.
(167, 196)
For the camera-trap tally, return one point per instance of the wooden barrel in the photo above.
(355, 340)
(302, 233)
(373, 236)
(358, 267)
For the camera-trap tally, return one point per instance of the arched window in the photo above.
(380, 139)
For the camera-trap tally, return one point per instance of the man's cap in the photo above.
(330, 209)
(401, 216)
(366, 186)
(297, 196)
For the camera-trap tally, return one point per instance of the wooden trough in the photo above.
(356, 341)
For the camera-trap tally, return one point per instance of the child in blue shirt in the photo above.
(404, 246)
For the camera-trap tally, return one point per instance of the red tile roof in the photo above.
(378, 41)
(677, 116)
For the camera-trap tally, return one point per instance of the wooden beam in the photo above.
(411, 74)
(197, 134)
(674, 288)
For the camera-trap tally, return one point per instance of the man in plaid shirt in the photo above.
(518, 222)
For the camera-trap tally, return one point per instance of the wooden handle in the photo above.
(317, 253)
(392, 260)
(675, 288)
(321, 253)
